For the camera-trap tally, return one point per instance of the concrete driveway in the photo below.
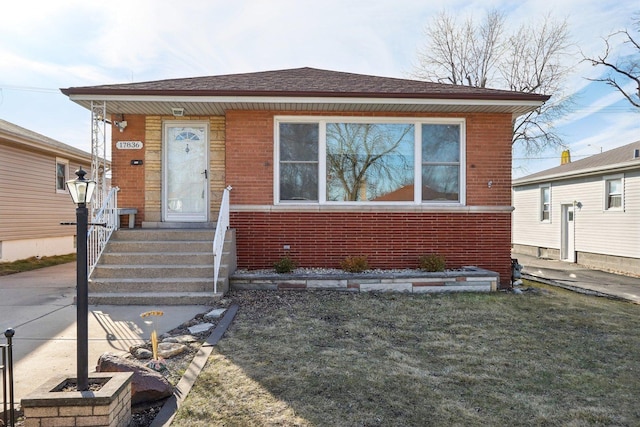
(39, 306)
(581, 279)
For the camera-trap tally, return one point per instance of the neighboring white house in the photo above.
(33, 196)
(587, 211)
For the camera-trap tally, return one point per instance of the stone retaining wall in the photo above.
(468, 279)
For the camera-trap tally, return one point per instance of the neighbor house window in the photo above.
(62, 175)
(545, 203)
(351, 160)
(613, 193)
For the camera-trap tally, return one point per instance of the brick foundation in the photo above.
(388, 239)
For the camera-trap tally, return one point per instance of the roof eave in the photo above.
(600, 170)
(63, 150)
(100, 93)
(515, 107)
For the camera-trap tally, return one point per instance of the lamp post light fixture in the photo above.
(81, 192)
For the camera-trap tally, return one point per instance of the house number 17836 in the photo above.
(129, 145)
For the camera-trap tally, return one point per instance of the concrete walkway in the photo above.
(581, 279)
(39, 306)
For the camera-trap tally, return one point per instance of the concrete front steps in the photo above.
(168, 266)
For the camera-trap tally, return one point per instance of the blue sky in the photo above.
(46, 45)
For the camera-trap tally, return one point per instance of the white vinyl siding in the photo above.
(527, 227)
(612, 232)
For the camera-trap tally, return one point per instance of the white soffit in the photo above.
(208, 105)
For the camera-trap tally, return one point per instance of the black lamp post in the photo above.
(81, 192)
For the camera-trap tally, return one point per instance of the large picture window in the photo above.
(347, 160)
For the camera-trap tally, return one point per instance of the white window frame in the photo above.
(65, 162)
(322, 158)
(542, 204)
(606, 185)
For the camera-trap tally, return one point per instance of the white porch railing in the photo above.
(218, 240)
(105, 221)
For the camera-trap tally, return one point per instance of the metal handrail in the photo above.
(104, 223)
(221, 230)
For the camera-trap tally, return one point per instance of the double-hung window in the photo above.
(613, 191)
(62, 175)
(346, 160)
(545, 203)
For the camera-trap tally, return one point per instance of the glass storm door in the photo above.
(186, 175)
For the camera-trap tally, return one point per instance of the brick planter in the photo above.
(110, 406)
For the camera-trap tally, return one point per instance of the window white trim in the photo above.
(65, 162)
(606, 180)
(322, 165)
(541, 203)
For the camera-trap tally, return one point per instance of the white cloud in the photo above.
(64, 43)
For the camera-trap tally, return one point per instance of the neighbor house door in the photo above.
(568, 250)
(185, 195)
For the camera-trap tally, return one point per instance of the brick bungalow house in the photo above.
(323, 164)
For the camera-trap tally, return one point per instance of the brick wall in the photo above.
(250, 156)
(389, 239)
(129, 178)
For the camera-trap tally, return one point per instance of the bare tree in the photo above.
(461, 54)
(621, 70)
(484, 55)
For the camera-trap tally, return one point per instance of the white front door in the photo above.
(185, 195)
(568, 251)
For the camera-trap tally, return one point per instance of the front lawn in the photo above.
(546, 357)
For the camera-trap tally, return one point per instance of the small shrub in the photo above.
(285, 265)
(431, 263)
(355, 264)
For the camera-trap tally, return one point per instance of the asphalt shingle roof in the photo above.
(13, 132)
(615, 158)
(303, 82)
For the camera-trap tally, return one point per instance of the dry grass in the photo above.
(547, 357)
(34, 263)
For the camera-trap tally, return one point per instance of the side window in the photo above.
(441, 162)
(613, 193)
(545, 204)
(298, 147)
(62, 175)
